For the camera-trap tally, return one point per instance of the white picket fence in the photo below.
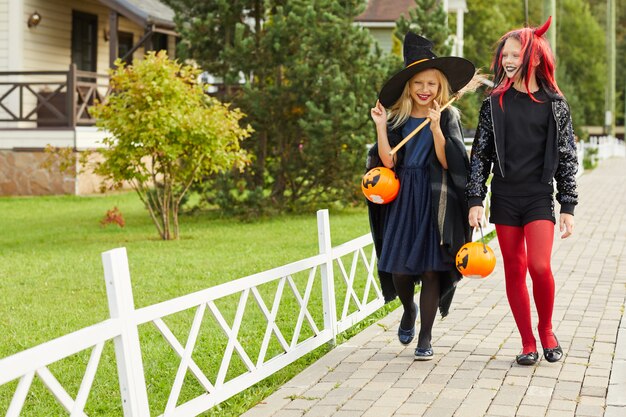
(607, 146)
(123, 329)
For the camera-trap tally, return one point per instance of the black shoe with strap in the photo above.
(553, 354)
(424, 354)
(527, 359)
(406, 336)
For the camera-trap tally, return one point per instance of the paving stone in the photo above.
(591, 401)
(501, 410)
(301, 403)
(589, 410)
(321, 411)
(355, 404)
(346, 413)
(531, 411)
(489, 383)
(516, 380)
(368, 395)
(290, 413)
(613, 411)
(411, 409)
(439, 412)
(380, 412)
(537, 396)
(616, 395)
(593, 392)
(595, 381)
(559, 413)
(562, 405)
(473, 409)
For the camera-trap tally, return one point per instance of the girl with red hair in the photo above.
(525, 132)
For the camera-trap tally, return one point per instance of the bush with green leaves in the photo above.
(165, 134)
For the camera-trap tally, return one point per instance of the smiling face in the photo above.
(424, 87)
(511, 57)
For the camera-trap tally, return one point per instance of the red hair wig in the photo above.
(536, 55)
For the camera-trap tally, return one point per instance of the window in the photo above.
(125, 44)
(159, 41)
(85, 41)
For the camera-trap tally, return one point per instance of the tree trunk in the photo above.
(175, 208)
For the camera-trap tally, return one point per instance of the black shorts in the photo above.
(521, 210)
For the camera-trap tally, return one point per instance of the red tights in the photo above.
(529, 248)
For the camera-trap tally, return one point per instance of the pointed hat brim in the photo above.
(458, 71)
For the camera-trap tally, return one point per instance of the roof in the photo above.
(390, 11)
(385, 11)
(143, 12)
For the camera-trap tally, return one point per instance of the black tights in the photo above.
(429, 302)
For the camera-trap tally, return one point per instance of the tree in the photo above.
(428, 19)
(311, 78)
(211, 32)
(578, 40)
(166, 133)
(599, 11)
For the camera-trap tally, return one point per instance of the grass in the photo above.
(52, 281)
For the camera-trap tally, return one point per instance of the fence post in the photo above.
(328, 278)
(127, 348)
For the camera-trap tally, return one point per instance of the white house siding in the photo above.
(48, 46)
(4, 35)
(383, 36)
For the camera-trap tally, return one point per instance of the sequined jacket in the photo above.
(560, 162)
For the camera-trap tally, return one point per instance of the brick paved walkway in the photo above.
(474, 372)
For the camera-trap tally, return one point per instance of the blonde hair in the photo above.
(401, 109)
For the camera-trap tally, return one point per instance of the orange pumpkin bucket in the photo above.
(475, 259)
(380, 185)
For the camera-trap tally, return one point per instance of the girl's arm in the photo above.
(482, 156)
(379, 115)
(438, 139)
(565, 174)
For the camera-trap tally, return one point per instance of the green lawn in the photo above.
(52, 283)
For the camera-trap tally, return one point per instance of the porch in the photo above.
(43, 99)
(40, 108)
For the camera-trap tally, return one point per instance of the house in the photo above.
(54, 57)
(380, 16)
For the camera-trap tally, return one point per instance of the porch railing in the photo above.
(50, 98)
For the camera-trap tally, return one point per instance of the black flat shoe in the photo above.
(553, 354)
(424, 354)
(406, 336)
(527, 359)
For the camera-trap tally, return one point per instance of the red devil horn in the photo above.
(543, 28)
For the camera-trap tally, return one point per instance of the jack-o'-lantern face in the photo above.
(380, 185)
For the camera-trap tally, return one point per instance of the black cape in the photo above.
(448, 204)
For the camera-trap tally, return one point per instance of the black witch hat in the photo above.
(418, 56)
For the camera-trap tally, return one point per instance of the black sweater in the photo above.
(528, 125)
